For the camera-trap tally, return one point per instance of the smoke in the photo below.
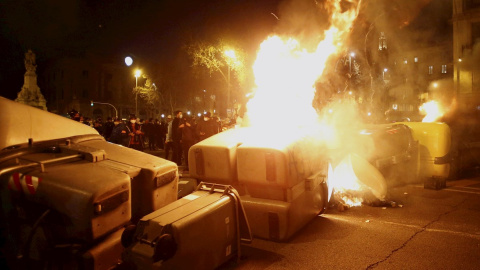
(306, 20)
(352, 87)
(303, 20)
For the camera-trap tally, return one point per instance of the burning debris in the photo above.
(432, 111)
(359, 179)
(356, 182)
(286, 71)
(343, 201)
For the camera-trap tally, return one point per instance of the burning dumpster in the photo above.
(284, 185)
(393, 150)
(67, 193)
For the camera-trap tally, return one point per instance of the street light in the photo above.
(384, 71)
(104, 103)
(350, 56)
(128, 61)
(231, 55)
(204, 92)
(137, 74)
(458, 76)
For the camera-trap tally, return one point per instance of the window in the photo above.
(430, 70)
(415, 59)
(444, 69)
(382, 42)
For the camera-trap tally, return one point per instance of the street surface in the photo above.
(434, 229)
(429, 229)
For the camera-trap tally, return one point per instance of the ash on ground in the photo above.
(340, 200)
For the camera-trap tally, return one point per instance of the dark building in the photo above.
(73, 83)
(466, 52)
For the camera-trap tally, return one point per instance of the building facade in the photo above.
(73, 83)
(466, 52)
(412, 74)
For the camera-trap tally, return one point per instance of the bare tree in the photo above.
(223, 58)
(149, 92)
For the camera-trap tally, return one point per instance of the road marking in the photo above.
(475, 235)
(463, 191)
(456, 189)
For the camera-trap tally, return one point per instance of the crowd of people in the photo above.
(175, 135)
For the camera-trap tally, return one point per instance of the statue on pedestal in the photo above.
(30, 93)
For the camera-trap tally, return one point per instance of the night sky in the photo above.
(156, 30)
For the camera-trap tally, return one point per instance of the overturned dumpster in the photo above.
(67, 194)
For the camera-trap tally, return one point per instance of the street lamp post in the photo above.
(350, 56)
(137, 74)
(458, 76)
(228, 89)
(231, 55)
(204, 105)
(105, 103)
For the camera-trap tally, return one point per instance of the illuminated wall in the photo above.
(466, 50)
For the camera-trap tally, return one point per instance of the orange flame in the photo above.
(353, 174)
(432, 110)
(285, 74)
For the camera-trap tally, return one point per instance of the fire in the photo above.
(285, 75)
(432, 110)
(344, 181)
(356, 176)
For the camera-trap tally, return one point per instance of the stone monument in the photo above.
(30, 93)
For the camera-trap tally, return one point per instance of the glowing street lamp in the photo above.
(384, 71)
(137, 74)
(128, 61)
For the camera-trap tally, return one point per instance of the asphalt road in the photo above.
(433, 229)
(429, 229)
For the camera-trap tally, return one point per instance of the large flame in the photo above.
(432, 110)
(285, 75)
